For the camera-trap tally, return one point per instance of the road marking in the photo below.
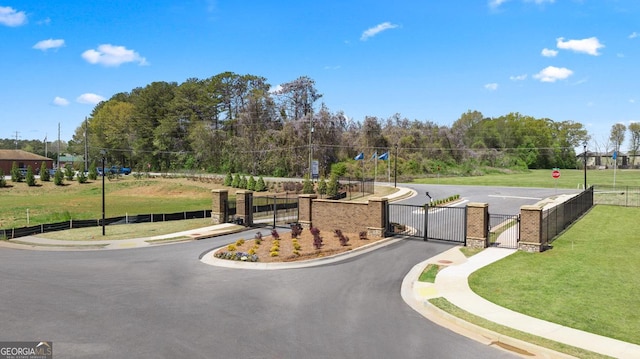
(516, 197)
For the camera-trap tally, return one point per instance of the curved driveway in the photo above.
(163, 302)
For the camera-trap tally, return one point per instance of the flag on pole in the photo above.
(359, 157)
(375, 154)
(384, 156)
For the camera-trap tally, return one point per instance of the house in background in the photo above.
(23, 159)
(600, 160)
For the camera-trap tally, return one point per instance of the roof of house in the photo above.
(20, 155)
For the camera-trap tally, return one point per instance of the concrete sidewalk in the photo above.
(56, 244)
(452, 283)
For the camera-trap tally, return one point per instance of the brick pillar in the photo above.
(377, 208)
(219, 206)
(305, 206)
(244, 207)
(531, 229)
(477, 225)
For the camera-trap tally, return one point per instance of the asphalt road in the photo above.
(162, 302)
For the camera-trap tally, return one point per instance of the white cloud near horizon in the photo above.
(549, 52)
(633, 35)
(60, 101)
(494, 4)
(552, 74)
(45, 45)
(373, 31)
(90, 99)
(588, 46)
(110, 55)
(518, 77)
(12, 17)
(491, 86)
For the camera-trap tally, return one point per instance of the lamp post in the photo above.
(585, 165)
(395, 168)
(103, 153)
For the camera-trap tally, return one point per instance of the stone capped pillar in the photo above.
(305, 206)
(531, 236)
(219, 206)
(377, 208)
(477, 225)
(244, 207)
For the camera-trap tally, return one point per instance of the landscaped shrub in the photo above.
(228, 179)
(296, 230)
(30, 178)
(322, 186)
(258, 238)
(317, 240)
(251, 183)
(260, 185)
(296, 244)
(237, 256)
(344, 240)
(239, 242)
(93, 172)
(275, 234)
(16, 175)
(235, 183)
(58, 178)
(44, 173)
(69, 173)
(243, 182)
(82, 178)
(363, 235)
(231, 247)
(307, 186)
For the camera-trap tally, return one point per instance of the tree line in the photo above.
(231, 123)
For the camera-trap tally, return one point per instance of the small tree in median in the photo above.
(69, 173)
(30, 178)
(44, 173)
(16, 175)
(58, 178)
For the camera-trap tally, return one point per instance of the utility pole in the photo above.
(17, 139)
(86, 146)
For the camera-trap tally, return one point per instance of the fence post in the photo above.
(244, 207)
(219, 206)
(531, 238)
(305, 206)
(426, 222)
(477, 225)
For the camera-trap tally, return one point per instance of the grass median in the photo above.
(588, 280)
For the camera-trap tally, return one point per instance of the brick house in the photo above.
(23, 159)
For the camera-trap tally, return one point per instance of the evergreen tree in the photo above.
(30, 177)
(322, 186)
(307, 186)
(243, 182)
(69, 173)
(58, 178)
(81, 177)
(93, 171)
(251, 183)
(3, 182)
(16, 175)
(228, 180)
(236, 181)
(333, 186)
(260, 185)
(44, 173)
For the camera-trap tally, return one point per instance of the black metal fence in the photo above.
(71, 224)
(556, 219)
(274, 210)
(504, 230)
(425, 222)
(628, 196)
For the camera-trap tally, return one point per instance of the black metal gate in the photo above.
(426, 222)
(504, 230)
(275, 211)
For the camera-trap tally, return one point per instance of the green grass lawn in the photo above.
(588, 280)
(542, 179)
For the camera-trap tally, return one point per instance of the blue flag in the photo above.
(359, 157)
(384, 156)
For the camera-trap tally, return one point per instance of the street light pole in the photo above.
(103, 153)
(395, 168)
(585, 165)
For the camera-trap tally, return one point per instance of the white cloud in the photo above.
(276, 89)
(518, 77)
(588, 46)
(90, 99)
(60, 101)
(11, 17)
(491, 87)
(634, 35)
(632, 100)
(371, 32)
(549, 52)
(496, 3)
(552, 74)
(109, 55)
(539, 2)
(45, 45)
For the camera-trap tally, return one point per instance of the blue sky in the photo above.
(428, 60)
